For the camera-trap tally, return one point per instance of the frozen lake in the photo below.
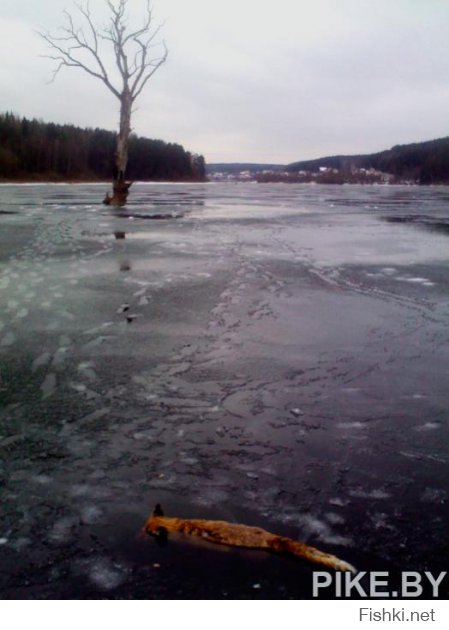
(269, 354)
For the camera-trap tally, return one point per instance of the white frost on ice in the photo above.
(61, 531)
(91, 514)
(78, 387)
(377, 493)
(388, 270)
(49, 385)
(337, 501)
(41, 360)
(350, 425)
(22, 313)
(106, 575)
(8, 339)
(428, 426)
(315, 527)
(42, 480)
(434, 495)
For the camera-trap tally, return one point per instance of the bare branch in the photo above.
(155, 64)
(74, 39)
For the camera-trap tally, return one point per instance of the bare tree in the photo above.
(85, 45)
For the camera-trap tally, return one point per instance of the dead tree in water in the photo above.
(85, 46)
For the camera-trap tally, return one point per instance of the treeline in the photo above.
(34, 150)
(421, 162)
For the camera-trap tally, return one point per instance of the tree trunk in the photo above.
(120, 186)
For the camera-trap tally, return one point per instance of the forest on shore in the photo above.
(32, 150)
(419, 162)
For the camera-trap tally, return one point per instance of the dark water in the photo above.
(273, 355)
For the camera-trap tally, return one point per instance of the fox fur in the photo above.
(235, 535)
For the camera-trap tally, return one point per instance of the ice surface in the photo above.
(285, 366)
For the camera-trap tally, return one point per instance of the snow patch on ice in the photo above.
(41, 360)
(61, 531)
(313, 526)
(106, 575)
(377, 493)
(350, 425)
(428, 426)
(434, 495)
(8, 339)
(49, 385)
(91, 514)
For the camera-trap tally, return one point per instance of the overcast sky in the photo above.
(254, 80)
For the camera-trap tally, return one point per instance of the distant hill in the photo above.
(32, 150)
(422, 162)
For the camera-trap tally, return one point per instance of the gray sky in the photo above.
(255, 80)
